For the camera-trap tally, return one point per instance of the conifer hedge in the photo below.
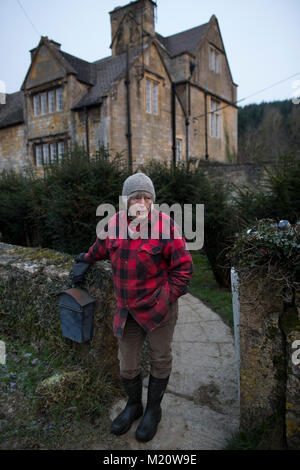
(57, 210)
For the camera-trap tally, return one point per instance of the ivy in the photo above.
(268, 250)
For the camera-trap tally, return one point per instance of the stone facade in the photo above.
(13, 147)
(177, 100)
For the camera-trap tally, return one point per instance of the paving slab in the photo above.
(200, 407)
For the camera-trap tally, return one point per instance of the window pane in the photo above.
(38, 155)
(44, 103)
(59, 102)
(217, 125)
(46, 154)
(155, 98)
(53, 152)
(61, 149)
(212, 127)
(178, 149)
(36, 105)
(51, 101)
(148, 96)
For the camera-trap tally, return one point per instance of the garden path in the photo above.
(200, 407)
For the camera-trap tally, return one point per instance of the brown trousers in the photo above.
(130, 346)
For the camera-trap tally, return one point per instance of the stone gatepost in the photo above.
(267, 343)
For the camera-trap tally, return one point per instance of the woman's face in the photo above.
(140, 205)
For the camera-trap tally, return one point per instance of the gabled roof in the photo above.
(101, 74)
(186, 41)
(11, 113)
(84, 70)
(79, 67)
(106, 71)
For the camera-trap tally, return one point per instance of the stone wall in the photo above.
(250, 174)
(31, 278)
(267, 327)
(13, 151)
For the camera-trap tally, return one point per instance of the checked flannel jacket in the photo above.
(148, 273)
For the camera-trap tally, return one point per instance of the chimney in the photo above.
(129, 22)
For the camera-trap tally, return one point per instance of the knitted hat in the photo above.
(137, 183)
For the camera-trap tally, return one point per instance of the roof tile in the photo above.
(12, 111)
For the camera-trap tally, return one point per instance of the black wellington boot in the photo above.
(147, 428)
(134, 406)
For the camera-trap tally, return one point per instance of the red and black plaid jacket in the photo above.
(148, 273)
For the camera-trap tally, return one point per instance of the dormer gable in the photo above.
(46, 65)
(217, 58)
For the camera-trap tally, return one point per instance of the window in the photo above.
(60, 150)
(178, 150)
(53, 152)
(59, 102)
(51, 101)
(148, 96)
(151, 97)
(214, 59)
(44, 103)
(48, 153)
(215, 119)
(155, 98)
(48, 102)
(36, 105)
(39, 155)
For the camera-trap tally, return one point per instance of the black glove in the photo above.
(79, 269)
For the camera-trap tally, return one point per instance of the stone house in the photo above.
(167, 98)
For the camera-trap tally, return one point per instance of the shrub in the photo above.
(58, 210)
(277, 198)
(69, 194)
(16, 200)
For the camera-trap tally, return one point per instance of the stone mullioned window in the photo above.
(151, 96)
(49, 152)
(47, 102)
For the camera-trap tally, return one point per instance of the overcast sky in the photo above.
(261, 37)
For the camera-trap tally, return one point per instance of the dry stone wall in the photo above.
(31, 278)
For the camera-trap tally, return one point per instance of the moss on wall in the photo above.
(267, 260)
(30, 280)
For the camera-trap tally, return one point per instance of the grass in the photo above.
(23, 424)
(204, 286)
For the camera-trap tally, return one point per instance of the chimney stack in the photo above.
(128, 23)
